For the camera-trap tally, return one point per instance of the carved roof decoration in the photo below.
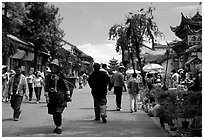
(113, 60)
(188, 26)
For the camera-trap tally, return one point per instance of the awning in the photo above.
(86, 62)
(19, 54)
(29, 57)
(194, 48)
(194, 59)
(18, 40)
(3, 66)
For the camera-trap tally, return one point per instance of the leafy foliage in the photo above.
(13, 13)
(44, 29)
(137, 29)
(179, 103)
(36, 22)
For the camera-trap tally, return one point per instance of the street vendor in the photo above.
(57, 94)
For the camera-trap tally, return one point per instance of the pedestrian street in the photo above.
(78, 119)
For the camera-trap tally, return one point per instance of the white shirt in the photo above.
(175, 77)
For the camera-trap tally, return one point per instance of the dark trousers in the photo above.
(57, 117)
(30, 91)
(118, 92)
(16, 105)
(38, 92)
(99, 101)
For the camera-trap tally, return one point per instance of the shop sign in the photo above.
(194, 39)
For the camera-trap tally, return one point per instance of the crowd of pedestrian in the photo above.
(57, 92)
(183, 79)
(35, 83)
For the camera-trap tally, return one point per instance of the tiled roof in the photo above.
(19, 54)
(155, 58)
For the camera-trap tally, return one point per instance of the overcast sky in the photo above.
(86, 24)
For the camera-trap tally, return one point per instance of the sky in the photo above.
(86, 24)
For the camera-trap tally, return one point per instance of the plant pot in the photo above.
(71, 82)
(173, 133)
(185, 124)
(173, 128)
(196, 132)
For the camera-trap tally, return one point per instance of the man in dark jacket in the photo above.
(57, 94)
(98, 82)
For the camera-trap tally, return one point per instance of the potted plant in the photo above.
(173, 132)
(196, 113)
(160, 98)
(168, 106)
(185, 110)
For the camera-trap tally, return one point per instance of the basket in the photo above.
(71, 81)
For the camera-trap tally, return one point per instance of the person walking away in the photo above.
(84, 79)
(38, 84)
(17, 87)
(57, 94)
(133, 90)
(30, 79)
(119, 84)
(98, 82)
(5, 78)
(104, 68)
(80, 81)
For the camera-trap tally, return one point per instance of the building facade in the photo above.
(189, 48)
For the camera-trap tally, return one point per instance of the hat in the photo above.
(55, 62)
(180, 70)
(12, 72)
(121, 67)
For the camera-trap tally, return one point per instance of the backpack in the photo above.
(134, 86)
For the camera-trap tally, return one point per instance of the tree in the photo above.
(119, 32)
(13, 14)
(42, 29)
(36, 22)
(138, 28)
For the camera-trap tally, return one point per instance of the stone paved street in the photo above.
(78, 120)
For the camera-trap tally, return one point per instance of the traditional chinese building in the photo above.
(189, 48)
(24, 56)
(78, 61)
(113, 64)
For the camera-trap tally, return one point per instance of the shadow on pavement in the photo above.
(40, 131)
(9, 119)
(115, 128)
(86, 108)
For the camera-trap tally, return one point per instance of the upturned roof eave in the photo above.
(185, 21)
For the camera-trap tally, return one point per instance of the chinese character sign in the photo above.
(194, 39)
